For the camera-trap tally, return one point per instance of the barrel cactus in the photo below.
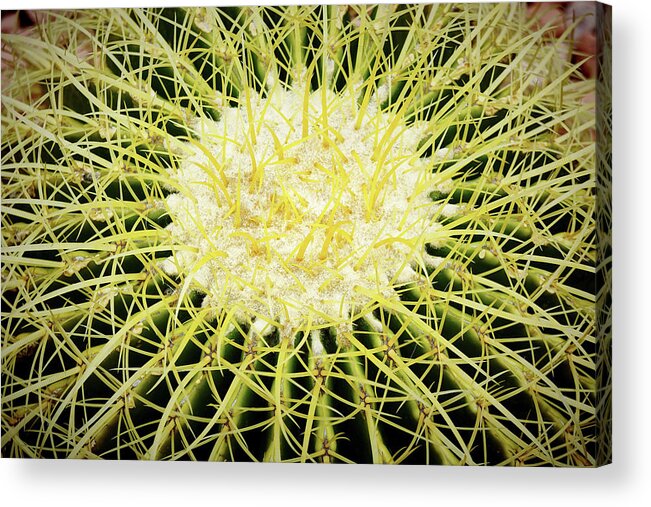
(354, 234)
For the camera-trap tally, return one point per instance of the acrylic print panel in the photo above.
(334, 234)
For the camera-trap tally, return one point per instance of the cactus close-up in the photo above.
(341, 234)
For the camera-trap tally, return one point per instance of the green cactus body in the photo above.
(358, 234)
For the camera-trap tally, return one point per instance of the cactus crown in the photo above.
(326, 214)
(350, 234)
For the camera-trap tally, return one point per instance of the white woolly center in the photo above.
(300, 223)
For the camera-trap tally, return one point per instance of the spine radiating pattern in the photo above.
(343, 234)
